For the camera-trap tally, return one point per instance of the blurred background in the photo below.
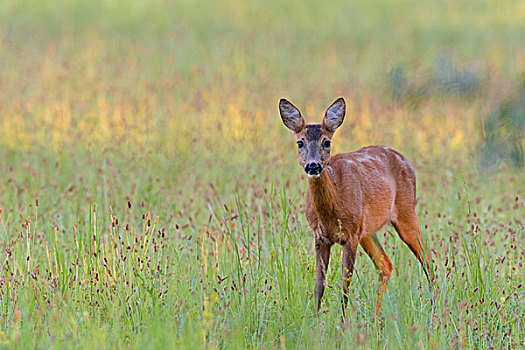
(203, 78)
(153, 101)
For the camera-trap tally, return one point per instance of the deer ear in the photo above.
(334, 115)
(291, 116)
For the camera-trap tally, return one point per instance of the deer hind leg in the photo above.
(407, 226)
(322, 258)
(373, 248)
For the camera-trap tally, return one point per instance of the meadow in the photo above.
(150, 196)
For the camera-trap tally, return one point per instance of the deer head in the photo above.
(313, 140)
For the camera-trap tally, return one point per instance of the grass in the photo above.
(150, 195)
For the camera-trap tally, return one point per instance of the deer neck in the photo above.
(323, 194)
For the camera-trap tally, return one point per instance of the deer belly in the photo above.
(379, 211)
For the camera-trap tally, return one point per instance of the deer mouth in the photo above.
(314, 176)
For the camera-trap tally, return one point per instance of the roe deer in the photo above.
(350, 196)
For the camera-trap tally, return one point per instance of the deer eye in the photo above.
(326, 144)
(300, 144)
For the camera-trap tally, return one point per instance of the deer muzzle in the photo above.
(313, 169)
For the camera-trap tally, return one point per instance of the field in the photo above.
(150, 195)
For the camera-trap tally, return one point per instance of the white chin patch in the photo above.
(314, 176)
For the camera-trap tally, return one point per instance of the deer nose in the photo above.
(313, 168)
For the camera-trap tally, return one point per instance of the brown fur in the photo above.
(354, 196)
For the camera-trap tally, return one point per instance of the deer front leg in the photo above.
(322, 258)
(349, 252)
